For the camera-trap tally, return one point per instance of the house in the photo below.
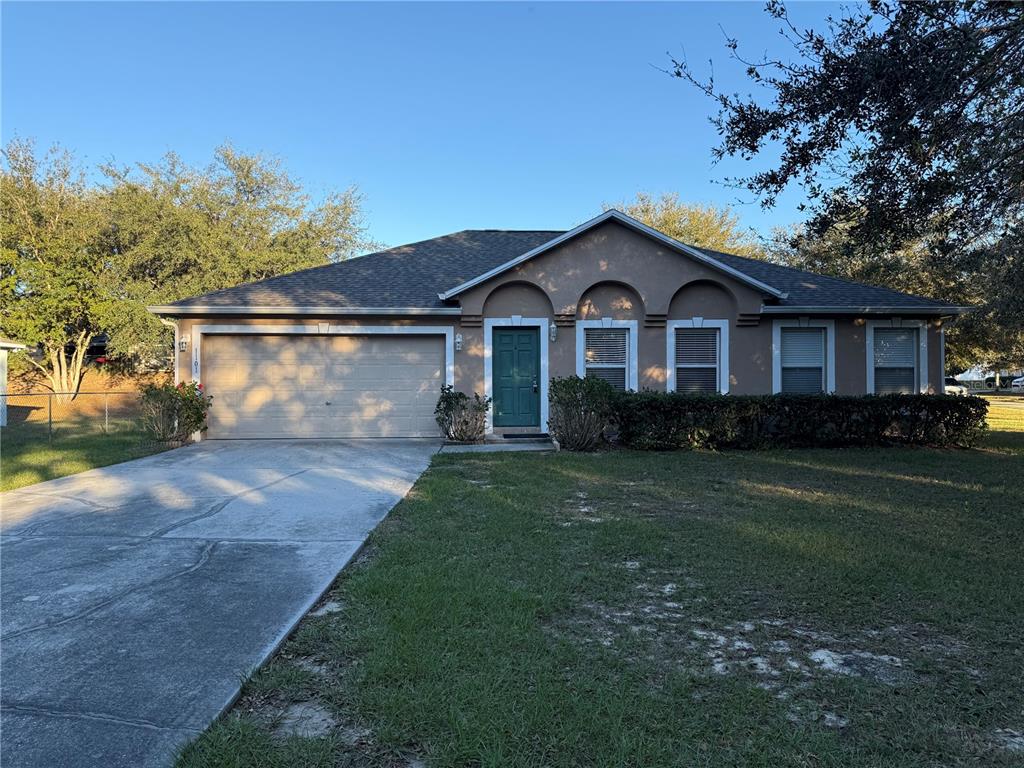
(362, 347)
(6, 345)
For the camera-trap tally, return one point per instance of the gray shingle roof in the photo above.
(406, 276)
(411, 276)
(807, 289)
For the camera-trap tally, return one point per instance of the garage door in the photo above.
(322, 386)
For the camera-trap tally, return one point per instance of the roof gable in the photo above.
(631, 223)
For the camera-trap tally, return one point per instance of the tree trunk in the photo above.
(64, 372)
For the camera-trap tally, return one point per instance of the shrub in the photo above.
(665, 421)
(174, 413)
(579, 411)
(460, 417)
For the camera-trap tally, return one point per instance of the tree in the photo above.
(904, 123)
(50, 267)
(173, 231)
(902, 111)
(703, 225)
(80, 260)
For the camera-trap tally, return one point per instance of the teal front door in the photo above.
(516, 372)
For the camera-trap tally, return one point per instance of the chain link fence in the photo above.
(52, 416)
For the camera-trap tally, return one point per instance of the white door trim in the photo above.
(323, 329)
(515, 321)
(632, 376)
(922, 350)
(723, 350)
(830, 350)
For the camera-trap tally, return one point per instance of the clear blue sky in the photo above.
(446, 117)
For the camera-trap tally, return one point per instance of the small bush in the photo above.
(579, 411)
(173, 413)
(461, 418)
(666, 421)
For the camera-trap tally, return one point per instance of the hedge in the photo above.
(666, 421)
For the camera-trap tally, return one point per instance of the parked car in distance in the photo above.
(1017, 385)
(954, 387)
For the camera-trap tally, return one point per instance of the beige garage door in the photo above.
(322, 386)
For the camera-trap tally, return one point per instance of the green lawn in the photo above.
(805, 608)
(27, 456)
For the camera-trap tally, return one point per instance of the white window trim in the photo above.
(723, 350)
(516, 321)
(942, 359)
(632, 327)
(830, 350)
(922, 350)
(324, 329)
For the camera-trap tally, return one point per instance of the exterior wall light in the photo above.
(552, 331)
(183, 343)
(458, 342)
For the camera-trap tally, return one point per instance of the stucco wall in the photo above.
(610, 253)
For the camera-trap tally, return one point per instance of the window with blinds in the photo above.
(895, 360)
(803, 360)
(607, 354)
(697, 359)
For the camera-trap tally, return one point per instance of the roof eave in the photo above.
(864, 309)
(629, 221)
(170, 310)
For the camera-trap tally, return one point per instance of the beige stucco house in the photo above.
(362, 347)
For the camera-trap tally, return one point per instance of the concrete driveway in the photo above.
(136, 597)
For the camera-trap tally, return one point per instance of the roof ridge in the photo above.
(525, 231)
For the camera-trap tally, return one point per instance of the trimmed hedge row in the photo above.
(658, 421)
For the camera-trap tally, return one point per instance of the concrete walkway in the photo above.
(136, 597)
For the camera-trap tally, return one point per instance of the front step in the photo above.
(529, 437)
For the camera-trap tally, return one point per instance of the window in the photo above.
(697, 352)
(697, 355)
(607, 349)
(803, 361)
(606, 355)
(895, 360)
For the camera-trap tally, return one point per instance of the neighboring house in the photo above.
(6, 345)
(362, 347)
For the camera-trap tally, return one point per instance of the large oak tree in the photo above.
(79, 260)
(904, 123)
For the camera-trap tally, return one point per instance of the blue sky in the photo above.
(446, 116)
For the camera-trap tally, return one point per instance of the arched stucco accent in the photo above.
(518, 298)
(610, 299)
(703, 298)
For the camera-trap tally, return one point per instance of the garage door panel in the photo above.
(280, 386)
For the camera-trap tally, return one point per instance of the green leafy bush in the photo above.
(667, 421)
(579, 411)
(172, 413)
(461, 418)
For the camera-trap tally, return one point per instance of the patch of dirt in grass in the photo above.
(304, 718)
(666, 623)
(581, 509)
(328, 607)
(312, 666)
(1009, 740)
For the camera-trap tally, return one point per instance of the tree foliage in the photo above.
(904, 123)
(700, 224)
(79, 260)
(174, 231)
(50, 268)
(915, 110)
